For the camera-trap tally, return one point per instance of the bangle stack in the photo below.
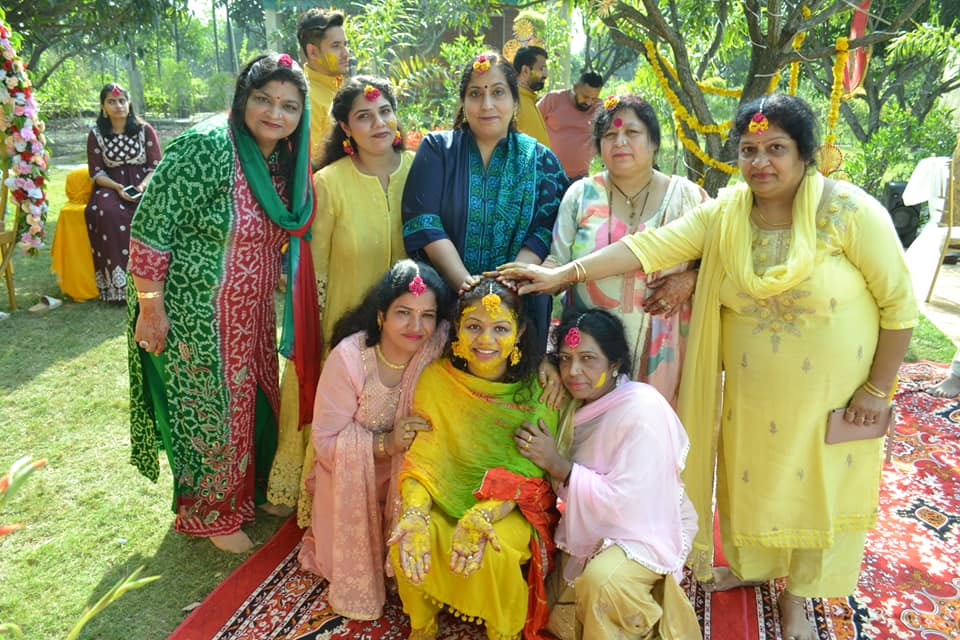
(148, 295)
(417, 513)
(873, 390)
(580, 271)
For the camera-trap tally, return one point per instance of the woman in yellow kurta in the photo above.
(804, 303)
(474, 510)
(356, 238)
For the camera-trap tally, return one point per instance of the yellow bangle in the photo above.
(148, 295)
(873, 390)
(580, 271)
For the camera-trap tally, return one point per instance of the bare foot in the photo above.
(794, 622)
(949, 388)
(278, 510)
(724, 579)
(238, 542)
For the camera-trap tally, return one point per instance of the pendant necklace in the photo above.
(383, 359)
(631, 201)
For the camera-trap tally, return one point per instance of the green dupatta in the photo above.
(473, 422)
(300, 339)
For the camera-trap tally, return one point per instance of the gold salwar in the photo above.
(616, 597)
(496, 594)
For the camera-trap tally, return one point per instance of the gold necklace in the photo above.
(383, 359)
(775, 225)
(631, 200)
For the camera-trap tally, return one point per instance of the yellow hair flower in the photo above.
(491, 302)
(611, 102)
(482, 64)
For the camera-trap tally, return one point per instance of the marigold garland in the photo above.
(25, 147)
(680, 113)
(836, 93)
(797, 43)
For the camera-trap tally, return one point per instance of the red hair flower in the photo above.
(572, 339)
(416, 286)
(285, 60)
(371, 93)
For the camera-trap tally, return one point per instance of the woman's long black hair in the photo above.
(134, 122)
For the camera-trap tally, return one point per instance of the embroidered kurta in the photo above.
(354, 494)
(128, 160)
(584, 225)
(356, 233)
(200, 230)
(787, 360)
(489, 214)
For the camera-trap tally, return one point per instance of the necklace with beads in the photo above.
(383, 359)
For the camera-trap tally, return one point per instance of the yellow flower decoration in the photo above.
(510, 48)
(491, 303)
(611, 102)
(481, 65)
(523, 29)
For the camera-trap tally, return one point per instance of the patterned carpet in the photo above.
(909, 586)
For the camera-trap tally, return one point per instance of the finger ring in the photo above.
(526, 446)
(529, 438)
(144, 343)
(664, 303)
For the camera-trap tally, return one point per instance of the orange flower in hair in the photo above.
(611, 102)
(759, 123)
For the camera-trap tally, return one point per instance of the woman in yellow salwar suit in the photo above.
(803, 305)
(474, 510)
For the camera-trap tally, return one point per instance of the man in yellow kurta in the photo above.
(326, 59)
(531, 66)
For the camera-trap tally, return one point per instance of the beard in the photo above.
(536, 84)
(581, 106)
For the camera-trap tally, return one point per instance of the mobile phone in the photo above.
(132, 191)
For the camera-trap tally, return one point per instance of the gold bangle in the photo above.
(873, 390)
(580, 272)
(413, 511)
(148, 295)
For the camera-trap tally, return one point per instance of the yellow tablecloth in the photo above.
(70, 256)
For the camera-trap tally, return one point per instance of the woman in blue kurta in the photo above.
(482, 193)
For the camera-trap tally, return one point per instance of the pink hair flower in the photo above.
(417, 286)
(371, 93)
(285, 60)
(759, 123)
(572, 339)
(482, 64)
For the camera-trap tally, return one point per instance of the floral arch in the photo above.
(23, 155)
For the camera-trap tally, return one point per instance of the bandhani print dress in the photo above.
(211, 399)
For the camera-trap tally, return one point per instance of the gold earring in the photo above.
(515, 356)
(379, 322)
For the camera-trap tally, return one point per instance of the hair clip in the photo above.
(371, 93)
(285, 61)
(417, 286)
(116, 90)
(759, 122)
(611, 102)
(482, 64)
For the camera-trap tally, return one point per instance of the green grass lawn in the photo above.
(90, 518)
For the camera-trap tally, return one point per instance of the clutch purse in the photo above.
(839, 430)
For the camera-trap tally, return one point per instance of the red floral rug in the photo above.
(909, 585)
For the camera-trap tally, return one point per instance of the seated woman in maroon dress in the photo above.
(122, 151)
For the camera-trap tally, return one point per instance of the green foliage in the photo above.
(896, 146)
(69, 92)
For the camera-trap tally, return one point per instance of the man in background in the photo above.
(568, 115)
(530, 64)
(323, 45)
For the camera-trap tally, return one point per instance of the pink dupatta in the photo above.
(349, 519)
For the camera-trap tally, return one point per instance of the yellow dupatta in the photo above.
(726, 252)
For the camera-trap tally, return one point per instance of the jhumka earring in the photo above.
(515, 356)
(347, 147)
(397, 139)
